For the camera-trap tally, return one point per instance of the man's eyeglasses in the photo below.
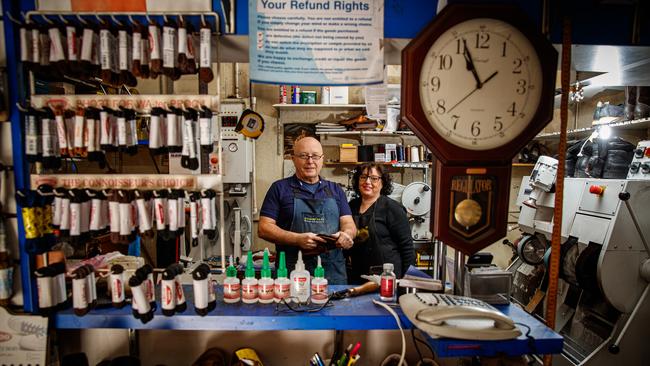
(373, 178)
(305, 157)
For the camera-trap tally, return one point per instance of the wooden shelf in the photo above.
(518, 165)
(319, 106)
(422, 165)
(637, 124)
(366, 133)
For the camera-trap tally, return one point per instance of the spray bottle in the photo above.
(231, 285)
(319, 285)
(300, 281)
(249, 284)
(282, 286)
(265, 284)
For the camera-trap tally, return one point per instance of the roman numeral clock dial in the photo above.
(478, 84)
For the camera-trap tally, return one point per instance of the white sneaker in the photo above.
(32, 342)
(23, 326)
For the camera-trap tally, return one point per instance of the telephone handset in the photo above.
(459, 317)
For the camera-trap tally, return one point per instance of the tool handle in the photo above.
(366, 288)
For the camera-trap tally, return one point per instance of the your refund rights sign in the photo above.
(316, 42)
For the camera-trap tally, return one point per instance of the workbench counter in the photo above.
(357, 313)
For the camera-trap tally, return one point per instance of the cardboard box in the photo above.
(339, 95)
(348, 153)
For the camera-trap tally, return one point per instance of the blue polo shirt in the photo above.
(278, 203)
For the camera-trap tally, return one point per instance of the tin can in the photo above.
(325, 95)
(284, 94)
(295, 94)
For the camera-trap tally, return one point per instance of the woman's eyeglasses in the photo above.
(373, 178)
(305, 157)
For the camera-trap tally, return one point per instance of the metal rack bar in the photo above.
(21, 172)
(132, 13)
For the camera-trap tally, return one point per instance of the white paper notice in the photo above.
(376, 98)
(321, 42)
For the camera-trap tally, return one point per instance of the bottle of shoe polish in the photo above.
(265, 284)
(200, 284)
(80, 291)
(319, 285)
(231, 285)
(168, 292)
(282, 285)
(117, 286)
(300, 279)
(249, 285)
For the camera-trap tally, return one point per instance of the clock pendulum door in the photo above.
(470, 202)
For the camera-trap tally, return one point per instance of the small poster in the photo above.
(316, 42)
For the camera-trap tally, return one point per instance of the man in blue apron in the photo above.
(298, 208)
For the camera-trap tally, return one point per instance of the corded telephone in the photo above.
(457, 317)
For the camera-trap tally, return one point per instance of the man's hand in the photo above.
(343, 240)
(308, 242)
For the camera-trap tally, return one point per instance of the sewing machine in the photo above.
(604, 310)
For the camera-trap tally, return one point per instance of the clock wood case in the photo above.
(478, 84)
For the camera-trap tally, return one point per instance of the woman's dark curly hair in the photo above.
(387, 183)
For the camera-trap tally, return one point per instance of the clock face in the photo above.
(480, 84)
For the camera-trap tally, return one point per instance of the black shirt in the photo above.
(388, 241)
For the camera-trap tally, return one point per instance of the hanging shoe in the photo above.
(642, 107)
(630, 102)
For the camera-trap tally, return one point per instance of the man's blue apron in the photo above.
(319, 216)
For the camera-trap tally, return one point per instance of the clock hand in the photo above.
(472, 92)
(470, 64)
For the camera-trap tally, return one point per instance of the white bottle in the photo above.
(319, 293)
(282, 286)
(300, 281)
(265, 284)
(249, 286)
(231, 285)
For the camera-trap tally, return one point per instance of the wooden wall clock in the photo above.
(478, 84)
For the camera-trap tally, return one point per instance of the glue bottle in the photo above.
(387, 286)
(231, 285)
(300, 281)
(319, 285)
(282, 286)
(249, 286)
(265, 284)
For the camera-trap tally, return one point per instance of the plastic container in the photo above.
(319, 293)
(265, 284)
(300, 280)
(231, 285)
(249, 286)
(282, 285)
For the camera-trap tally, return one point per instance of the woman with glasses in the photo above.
(383, 232)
